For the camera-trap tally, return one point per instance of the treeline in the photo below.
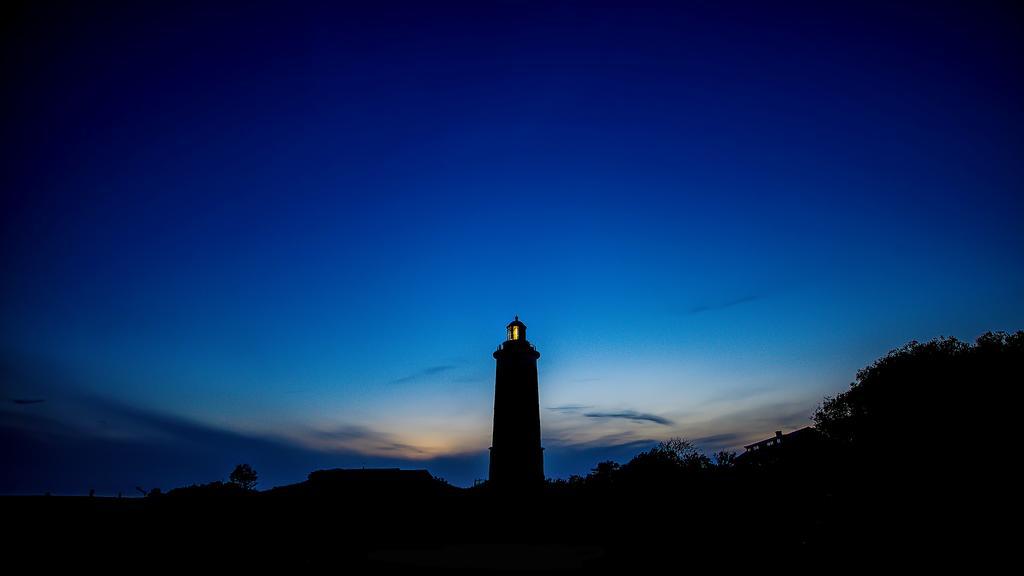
(913, 422)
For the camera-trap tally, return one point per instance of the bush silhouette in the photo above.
(244, 476)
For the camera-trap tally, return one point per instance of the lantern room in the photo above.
(516, 330)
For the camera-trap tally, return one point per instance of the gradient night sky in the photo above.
(293, 237)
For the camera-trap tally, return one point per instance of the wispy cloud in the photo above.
(631, 415)
(723, 305)
(734, 429)
(161, 450)
(429, 371)
(568, 408)
(23, 401)
(623, 439)
(362, 439)
(718, 441)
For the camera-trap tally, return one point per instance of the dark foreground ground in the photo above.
(453, 530)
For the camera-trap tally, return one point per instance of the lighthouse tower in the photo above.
(517, 459)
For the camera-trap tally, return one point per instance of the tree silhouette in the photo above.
(687, 455)
(244, 476)
(725, 459)
(910, 394)
(603, 474)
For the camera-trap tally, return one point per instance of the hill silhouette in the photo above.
(878, 473)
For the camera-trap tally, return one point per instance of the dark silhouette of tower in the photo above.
(517, 459)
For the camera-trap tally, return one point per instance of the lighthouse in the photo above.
(517, 459)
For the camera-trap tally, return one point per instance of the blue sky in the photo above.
(293, 236)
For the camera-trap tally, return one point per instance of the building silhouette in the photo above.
(517, 459)
(365, 483)
(797, 436)
(803, 445)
